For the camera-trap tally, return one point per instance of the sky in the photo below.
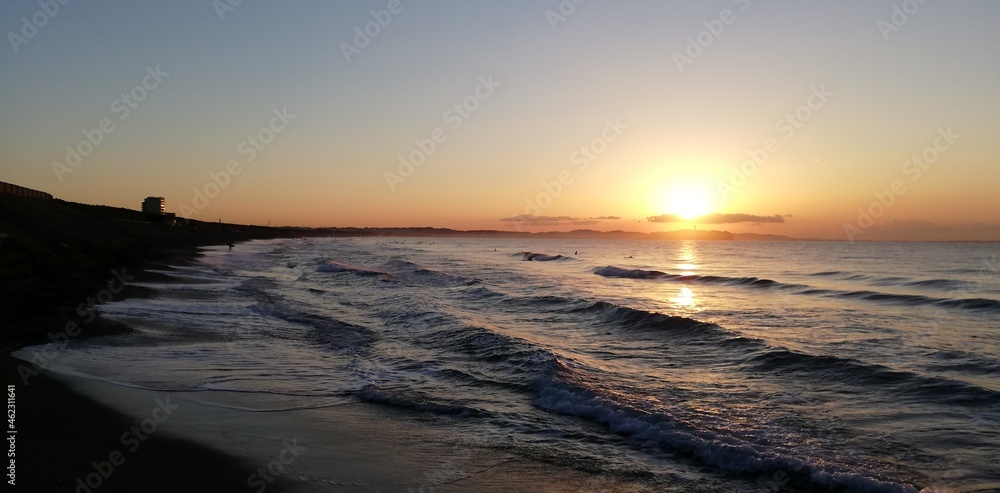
(856, 120)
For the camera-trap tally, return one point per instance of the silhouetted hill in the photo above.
(575, 234)
(54, 254)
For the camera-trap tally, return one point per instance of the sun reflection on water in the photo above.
(684, 298)
(687, 258)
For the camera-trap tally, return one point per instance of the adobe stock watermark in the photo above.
(455, 116)
(122, 106)
(984, 276)
(697, 44)
(899, 17)
(972, 290)
(264, 476)
(131, 439)
(779, 480)
(364, 35)
(369, 368)
(40, 358)
(582, 158)
(786, 126)
(250, 148)
(225, 7)
(31, 25)
(563, 11)
(914, 168)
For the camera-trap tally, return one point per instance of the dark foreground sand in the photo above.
(88, 436)
(356, 447)
(61, 434)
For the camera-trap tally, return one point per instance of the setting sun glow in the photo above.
(686, 201)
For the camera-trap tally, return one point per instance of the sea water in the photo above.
(709, 366)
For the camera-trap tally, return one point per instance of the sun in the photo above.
(686, 201)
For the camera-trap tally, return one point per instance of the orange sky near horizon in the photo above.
(811, 121)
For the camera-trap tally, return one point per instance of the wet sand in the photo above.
(62, 434)
(90, 436)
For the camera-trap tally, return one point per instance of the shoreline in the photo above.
(65, 437)
(70, 427)
(59, 259)
(350, 447)
(67, 441)
(55, 255)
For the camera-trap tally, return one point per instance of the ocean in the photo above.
(682, 366)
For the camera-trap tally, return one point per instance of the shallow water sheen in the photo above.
(717, 365)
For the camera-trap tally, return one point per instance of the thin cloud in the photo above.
(558, 220)
(549, 220)
(718, 219)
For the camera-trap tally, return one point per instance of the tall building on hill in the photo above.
(153, 205)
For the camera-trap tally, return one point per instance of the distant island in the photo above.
(578, 234)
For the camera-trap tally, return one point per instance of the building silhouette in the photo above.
(153, 206)
(11, 189)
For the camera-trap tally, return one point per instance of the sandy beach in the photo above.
(70, 435)
(65, 442)
(87, 436)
